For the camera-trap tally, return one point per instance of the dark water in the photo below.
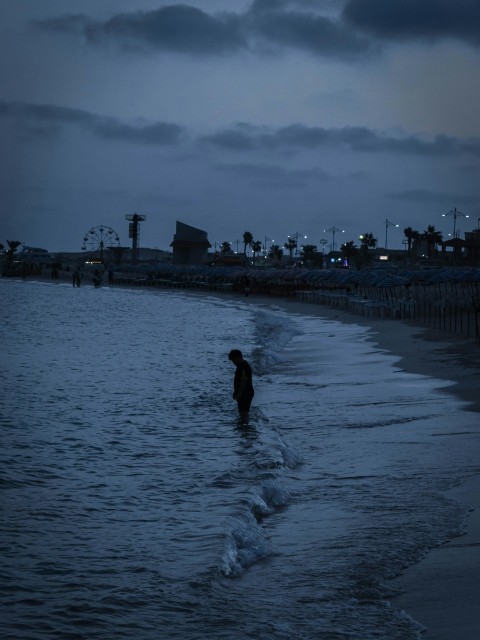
(135, 506)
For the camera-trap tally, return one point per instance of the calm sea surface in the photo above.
(134, 505)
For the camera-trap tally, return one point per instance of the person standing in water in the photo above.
(242, 385)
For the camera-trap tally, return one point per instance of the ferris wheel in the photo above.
(100, 238)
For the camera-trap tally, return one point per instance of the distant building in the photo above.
(118, 255)
(190, 245)
(472, 247)
(112, 257)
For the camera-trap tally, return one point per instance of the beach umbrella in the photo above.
(393, 281)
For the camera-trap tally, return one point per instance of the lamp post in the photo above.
(265, 244)
(388, 224)
(454, 213)
(296, 235)
(333, 230)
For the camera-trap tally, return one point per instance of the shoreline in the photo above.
(441, 591)
(420, 349)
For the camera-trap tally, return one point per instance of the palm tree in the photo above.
(410, 235)
(432, 237)
(349, 250)
(256, 248)
(275, 253)
(308, 252)
(368, 242)
(13, 245)
(225, 247)
(290, 246)
(247, 241)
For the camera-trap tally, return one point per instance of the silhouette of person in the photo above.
(243, 391)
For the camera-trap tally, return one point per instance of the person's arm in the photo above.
(242, 385)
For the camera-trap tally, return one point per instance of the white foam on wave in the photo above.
(246, 544)
(275, 494)
(273, 331)
(291, 457)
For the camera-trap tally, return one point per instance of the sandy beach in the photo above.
(442, 591)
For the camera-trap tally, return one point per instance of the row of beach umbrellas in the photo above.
(377, 277)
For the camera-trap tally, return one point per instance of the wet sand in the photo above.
(420, 350)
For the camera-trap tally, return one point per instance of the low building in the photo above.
(472, 247)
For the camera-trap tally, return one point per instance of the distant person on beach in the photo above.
(97, 278)
(110, 276)
(242, 385)
(246, 286)
(76, 278)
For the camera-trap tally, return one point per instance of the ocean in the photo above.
(134, 505)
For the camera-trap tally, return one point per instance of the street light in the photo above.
(454, 213)
(388, 224)
(333, 230)
(296, 235)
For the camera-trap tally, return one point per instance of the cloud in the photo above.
(178, 28)
(160, 133)
(298, 137)
(42, 119)
(33, 119)
(320, 27)
(184, 29)
(306, 30)
(241, 137)
(414, 19)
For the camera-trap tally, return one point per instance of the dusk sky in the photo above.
(273, 116)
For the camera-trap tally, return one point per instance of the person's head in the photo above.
(235, 355)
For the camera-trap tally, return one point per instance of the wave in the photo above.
(263, 471)
(273, 330)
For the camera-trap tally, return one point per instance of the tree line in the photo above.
(349, 250)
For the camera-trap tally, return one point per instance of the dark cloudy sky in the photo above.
(272, 116)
